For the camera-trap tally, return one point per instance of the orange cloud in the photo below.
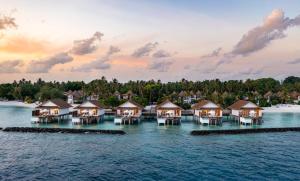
(24, 45)
(128, 61)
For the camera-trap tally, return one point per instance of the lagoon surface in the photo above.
(149, 152)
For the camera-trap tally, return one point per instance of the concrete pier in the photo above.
(61, 130)
(243, 131)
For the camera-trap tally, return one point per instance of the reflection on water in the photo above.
(17, 116)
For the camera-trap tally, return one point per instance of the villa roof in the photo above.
(76, 93)
(58, 102)
(129, 93)
(174, 106)
(182, 94)
(198, 93)
(240, 104)
(132, 102)
(269, 93)
(202, 103)
(94, 102)
(294, 94)
(117, 93)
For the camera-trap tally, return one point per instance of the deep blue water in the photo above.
(149, 152)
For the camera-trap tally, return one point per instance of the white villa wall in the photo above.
(129, 111)
(197, 112)
(70, 99)
(252, 111)
(171, 112)
(212, 113)
(90, 111)
(235, 112)
(63, 111)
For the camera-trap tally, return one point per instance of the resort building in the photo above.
(117, 95)
(74, 96)
(207, 112)
(128, 95)
(168, 113)
(93, 97)
(88, 112)
(50, 111)
(129, 112)
(295, 97)
(246, 112)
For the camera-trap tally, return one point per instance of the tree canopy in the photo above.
(147, 92)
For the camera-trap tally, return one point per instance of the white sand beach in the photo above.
(288, 108)
(17, 104)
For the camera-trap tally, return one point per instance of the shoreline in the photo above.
(282, 108)
(17, 104)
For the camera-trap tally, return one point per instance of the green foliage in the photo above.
(111, 101)
(264, 103)
(146, 92)
(28, 100)
(184, 105)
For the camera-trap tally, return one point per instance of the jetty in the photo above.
(243, 131)
(61, 130)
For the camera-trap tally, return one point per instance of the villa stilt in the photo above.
(55, 110)
(129, 112)
(246, 112)
(168, 113)
(207, 112)
(88, 112)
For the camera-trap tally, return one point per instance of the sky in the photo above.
(149, 39)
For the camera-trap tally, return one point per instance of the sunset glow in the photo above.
(133, 40)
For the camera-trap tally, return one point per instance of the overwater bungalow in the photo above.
(88, 112)
(246, 112)
(51, 111)
(168, 113)
(129, 112)
(207, 112)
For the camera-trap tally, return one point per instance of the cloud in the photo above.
(214, 53)
(99, 64)
(10, 66)
(187, 67)
(160, 66)
(24, 45)
(161, 54)
(7, 22)
(273, 28)
(145, 50)
(297, 61)
(251, 71)
(43, 66)
(86, 46)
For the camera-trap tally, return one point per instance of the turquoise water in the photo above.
(148, 152)
(20, 116)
